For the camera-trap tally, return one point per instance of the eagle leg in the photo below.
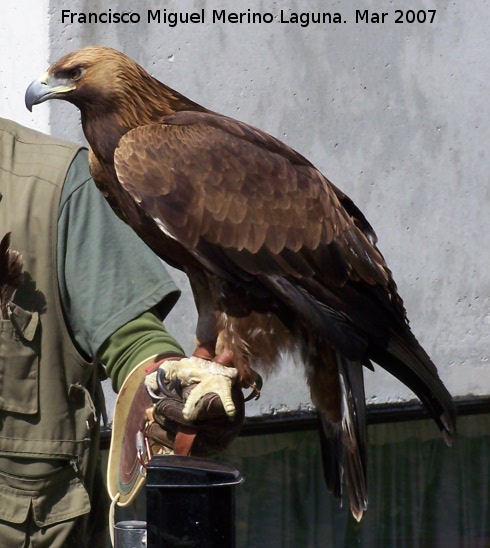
(205, 351)
(226, 358)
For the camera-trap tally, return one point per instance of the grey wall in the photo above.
(397, 115)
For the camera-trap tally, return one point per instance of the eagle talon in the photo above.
(161, 379)
(154, 396)
(167, 390)
(176, 384)
(161, 383)
(256, 386)
(157, 380)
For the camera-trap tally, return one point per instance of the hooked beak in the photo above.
(46, 87)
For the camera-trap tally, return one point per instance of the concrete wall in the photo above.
(24, 47)
(396, 115)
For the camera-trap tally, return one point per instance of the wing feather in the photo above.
(208, 178)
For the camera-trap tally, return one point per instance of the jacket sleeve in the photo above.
(134, 342)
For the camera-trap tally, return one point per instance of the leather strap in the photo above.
(184, 440)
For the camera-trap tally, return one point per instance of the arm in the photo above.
(107, 276)
(135, 342)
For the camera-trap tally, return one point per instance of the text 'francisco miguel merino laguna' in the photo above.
(173, 19)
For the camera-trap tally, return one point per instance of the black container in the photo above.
(190, 502)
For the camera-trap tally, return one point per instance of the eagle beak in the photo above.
(46, 87)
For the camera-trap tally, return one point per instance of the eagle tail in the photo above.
(11, 267)
(405, 359)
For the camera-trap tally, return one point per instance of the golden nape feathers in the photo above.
(11, 274)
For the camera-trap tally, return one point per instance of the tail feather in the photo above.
(344, 442)
(354, 433)
(406, 360)
(332, 455)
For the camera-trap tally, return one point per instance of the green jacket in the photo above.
(47, 389)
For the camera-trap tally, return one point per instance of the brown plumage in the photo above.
(11, 274)
(278, 257)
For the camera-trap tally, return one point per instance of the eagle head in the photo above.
(83, 75)
(103, 82)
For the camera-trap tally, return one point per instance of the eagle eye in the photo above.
(75, 73)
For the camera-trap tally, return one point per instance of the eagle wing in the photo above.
(210, 180)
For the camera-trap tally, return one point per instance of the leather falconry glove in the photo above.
(181, 413)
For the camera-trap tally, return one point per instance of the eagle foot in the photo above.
(208, 376)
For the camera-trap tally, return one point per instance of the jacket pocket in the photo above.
(19, 363)
(56, 497)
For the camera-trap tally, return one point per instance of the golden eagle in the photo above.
(278, 258)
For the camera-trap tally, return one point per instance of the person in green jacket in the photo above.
(92, 293)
